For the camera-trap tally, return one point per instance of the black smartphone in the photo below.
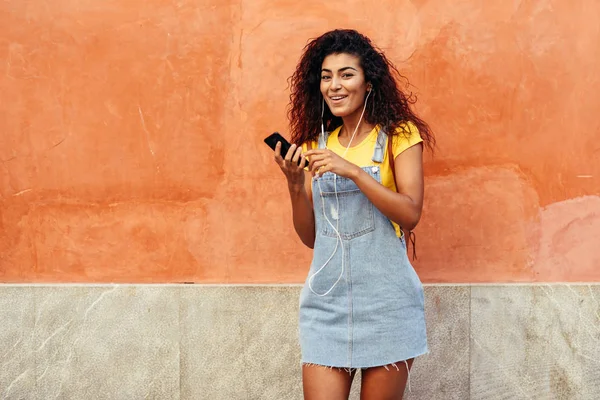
(275, 137)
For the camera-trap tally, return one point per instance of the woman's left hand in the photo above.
(325, 160)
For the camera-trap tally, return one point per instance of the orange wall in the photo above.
(131, 137)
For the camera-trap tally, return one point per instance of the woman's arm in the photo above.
(302, 211)
(403, 207)
(299, 186)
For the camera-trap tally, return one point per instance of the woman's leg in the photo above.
(385, 383)
(324, 383)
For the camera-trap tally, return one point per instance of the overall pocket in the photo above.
(354, 216)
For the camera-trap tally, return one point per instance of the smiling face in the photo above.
(343, 84)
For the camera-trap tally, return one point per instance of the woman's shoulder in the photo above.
(406, 135)
(406, 129)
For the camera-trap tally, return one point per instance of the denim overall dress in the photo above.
(362, 304)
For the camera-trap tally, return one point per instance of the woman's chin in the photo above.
(340, 113)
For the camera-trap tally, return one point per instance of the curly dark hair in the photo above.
(390, 106)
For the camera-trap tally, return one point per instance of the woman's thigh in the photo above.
(385, 383)
(324, 383)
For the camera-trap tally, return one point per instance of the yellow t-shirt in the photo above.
(361, 153)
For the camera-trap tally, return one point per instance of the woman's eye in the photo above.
(347, 76)
(325, 77)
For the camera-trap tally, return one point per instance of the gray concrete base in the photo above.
(236, 342)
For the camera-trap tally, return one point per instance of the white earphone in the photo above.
(335, 228)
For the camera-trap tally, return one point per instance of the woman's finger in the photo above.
(297, 155)
(277, 157)
(320, 171)
(315, 152)
(318, 166)
(303, 161)
(290, 153)
(278, 151)
(314, 158)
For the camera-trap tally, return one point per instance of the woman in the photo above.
(362, 305)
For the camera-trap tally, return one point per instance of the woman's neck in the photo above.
(350, 125)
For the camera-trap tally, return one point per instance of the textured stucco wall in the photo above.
(131, 137)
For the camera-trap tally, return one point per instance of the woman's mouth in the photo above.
(337, 99)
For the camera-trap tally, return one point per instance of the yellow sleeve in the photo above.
(406, 138)
(306, 146)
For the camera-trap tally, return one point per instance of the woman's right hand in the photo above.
(300, 192)
(289, 164)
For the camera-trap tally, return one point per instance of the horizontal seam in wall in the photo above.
(280, 285)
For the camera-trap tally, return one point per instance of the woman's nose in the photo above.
(336, 83)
